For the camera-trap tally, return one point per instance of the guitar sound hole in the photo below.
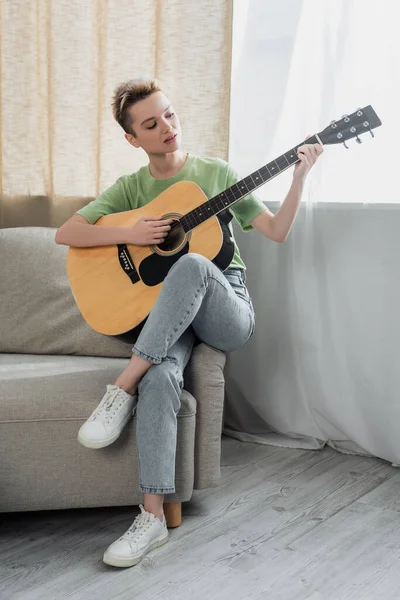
(174, 239)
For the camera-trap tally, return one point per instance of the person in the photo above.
(197, 300)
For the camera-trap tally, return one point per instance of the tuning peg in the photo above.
(358, 140)
(340, 136)
(371, 132)
(346, 118)
(333, 124)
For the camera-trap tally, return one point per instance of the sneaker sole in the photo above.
(95, 444)
(116, 561)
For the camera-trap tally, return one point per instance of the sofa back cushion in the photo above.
(38, 313)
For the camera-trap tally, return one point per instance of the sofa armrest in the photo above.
(204, 379)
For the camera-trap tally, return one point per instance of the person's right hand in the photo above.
(148, 231)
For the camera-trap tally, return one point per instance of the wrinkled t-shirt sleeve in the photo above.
(247, 209)
(114, 199)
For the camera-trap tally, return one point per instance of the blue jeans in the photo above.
(197, 301)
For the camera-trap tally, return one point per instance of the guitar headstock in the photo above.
(350, 126)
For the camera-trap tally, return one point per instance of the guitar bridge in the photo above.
(126, 262)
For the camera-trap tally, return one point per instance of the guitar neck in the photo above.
(242, 188)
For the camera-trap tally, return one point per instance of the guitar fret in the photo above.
(192, 221)
(220, 202)
(243, 187)
(292, 156)
(281, 163)
(225, 197)
(257, 178)
(248, 182)
(230, 196)
(236, 192)
(215, 204)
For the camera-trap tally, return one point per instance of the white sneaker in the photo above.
(146, 533)
(107, 421)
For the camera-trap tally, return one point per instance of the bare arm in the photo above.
(78, 232)
(264, 224)
(277, 226)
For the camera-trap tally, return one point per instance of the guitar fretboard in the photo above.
(241, 189)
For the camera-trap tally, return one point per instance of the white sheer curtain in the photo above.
(323, 364)
(300, 64)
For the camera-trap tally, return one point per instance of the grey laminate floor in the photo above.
(283, 525)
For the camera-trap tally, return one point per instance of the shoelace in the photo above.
(140, 524)
(108, 409)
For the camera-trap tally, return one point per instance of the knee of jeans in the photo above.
(192, 263)
(160, 380)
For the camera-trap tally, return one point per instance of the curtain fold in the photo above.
(323, 365)
(60, 62)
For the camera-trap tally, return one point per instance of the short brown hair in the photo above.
(126, 95)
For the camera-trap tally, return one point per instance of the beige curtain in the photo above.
(60, 62)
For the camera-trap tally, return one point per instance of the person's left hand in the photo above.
(308, 154)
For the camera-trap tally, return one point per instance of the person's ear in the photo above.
(132, 140)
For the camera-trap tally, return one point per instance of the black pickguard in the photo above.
(154, 268)
(225, 255)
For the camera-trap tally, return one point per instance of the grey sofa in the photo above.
(53, 372)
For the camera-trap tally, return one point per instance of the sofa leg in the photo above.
(173, 513)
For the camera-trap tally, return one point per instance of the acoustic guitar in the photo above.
(115, 287)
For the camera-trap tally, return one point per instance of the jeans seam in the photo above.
(145, 489)
(185, 316)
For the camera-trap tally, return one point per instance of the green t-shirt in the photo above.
(212, 175)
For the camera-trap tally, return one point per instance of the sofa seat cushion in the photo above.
(36, 387)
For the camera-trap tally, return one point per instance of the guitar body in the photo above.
(111, 301)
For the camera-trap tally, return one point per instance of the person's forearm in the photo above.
(82, 235)
(284, 217)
